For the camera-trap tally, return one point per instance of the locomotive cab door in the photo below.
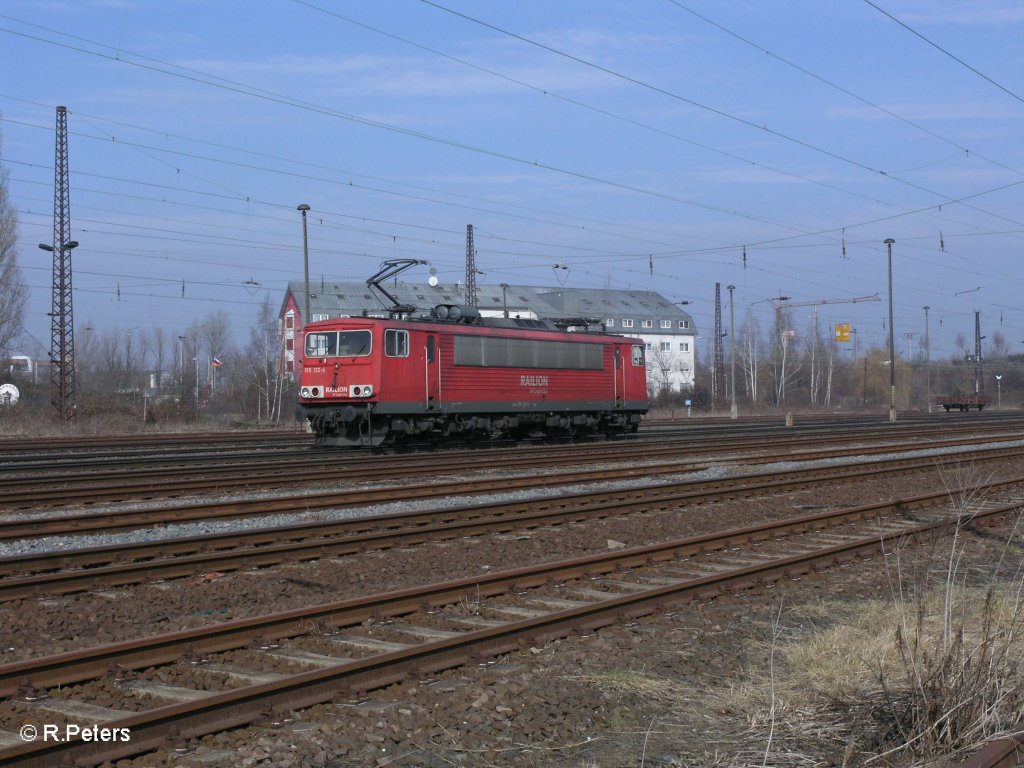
(432, 373)
(619, 378)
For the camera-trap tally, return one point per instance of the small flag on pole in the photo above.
(217, 363)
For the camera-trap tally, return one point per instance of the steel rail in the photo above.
(22, 444)
(75, 666)
(69, 473)
(237, 707)
(31, 466)
(78, 523)
(66, 470)
(119, 565)
(1004, 752)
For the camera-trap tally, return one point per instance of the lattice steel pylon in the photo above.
(62, 326)
(470, 267)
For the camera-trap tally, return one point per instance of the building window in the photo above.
(289, 366)
(289, 344)
(610, 322)
(648, 323)
(289, 320)
(319, 316)
(647, 346)
(684, 346)
(666, 346)
(684, 323)
(666, 323)
(627, 323)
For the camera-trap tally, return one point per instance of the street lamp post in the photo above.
(197, 385)
(999, 390)
(732, 355)
(181, 365)
(927, 360)
(305, 262)
(892, 347)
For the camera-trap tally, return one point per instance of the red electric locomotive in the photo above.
(458, 376)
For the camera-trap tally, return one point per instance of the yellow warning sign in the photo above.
(842, 332)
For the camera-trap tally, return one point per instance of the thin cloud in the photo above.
(977, 13)
(982, 110)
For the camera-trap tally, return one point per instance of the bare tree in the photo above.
(216, 332)
(661, 361)
(13, 290)
(960, 342)
(1000, 349)
(816, 372)
(784, 364)
(264, 361)
(86, 359)
(750, 340)
(159, 340)
(833, 350)
(113, 356)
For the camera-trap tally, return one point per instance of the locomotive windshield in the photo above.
(338, 344)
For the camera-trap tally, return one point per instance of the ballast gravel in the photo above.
(612, 698)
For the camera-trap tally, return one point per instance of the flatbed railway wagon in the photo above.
(963, 402)
(456, 376)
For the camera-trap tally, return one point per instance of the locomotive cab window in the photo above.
(338, 344)
(353, 343)
(396, 343)
(638, 356)
(321, 344)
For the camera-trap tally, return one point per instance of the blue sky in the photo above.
(645, 145)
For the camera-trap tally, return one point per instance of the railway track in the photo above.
(234, 666)
(70, 455)
(377, 640)
(26, 527)
(14, 447)
(1007, 752)
(72, 570)
(59, 486)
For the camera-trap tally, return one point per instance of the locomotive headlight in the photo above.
(304, 392)
(361, 390)
(316, 392)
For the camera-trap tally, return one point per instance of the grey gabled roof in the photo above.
(352, 298)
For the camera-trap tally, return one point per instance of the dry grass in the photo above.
(634, 683)
(919, 678)
(933, 671)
